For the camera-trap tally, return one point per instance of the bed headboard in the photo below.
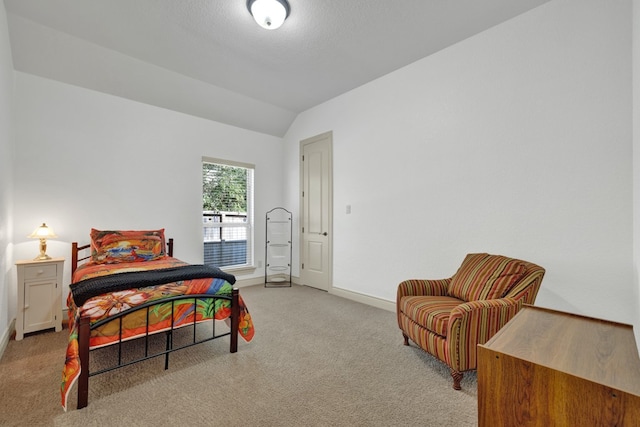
(80, 254)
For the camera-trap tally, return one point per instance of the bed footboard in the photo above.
(85, 328)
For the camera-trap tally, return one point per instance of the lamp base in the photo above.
(43, 251)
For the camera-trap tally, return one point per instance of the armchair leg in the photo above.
(406, 339)
(457, 377)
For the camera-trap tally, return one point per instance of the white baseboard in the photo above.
(365, 299)
(343, 293)
(6, 336)
(243, 283)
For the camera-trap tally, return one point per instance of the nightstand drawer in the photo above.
(39, 271)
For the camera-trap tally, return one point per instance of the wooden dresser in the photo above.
(549, 368)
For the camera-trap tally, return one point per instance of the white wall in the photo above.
(7, 292)
(85, 159)
(516, 141)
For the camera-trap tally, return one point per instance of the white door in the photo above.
(316, 209)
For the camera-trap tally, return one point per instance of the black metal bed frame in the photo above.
(85, 328)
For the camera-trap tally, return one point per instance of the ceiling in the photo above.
(208, 58)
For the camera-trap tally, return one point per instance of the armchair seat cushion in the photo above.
(483, 276)
(430, 312)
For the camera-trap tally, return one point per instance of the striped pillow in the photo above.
(484, 276)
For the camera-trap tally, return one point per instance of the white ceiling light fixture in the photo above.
(269, 14)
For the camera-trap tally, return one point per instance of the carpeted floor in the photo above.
(316, 360)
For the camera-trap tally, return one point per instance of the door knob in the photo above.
(325, 233)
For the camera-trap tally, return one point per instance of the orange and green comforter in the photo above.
(135, 325)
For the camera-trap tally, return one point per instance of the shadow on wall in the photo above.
(549, 298)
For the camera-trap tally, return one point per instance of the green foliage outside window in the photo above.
(224, 188)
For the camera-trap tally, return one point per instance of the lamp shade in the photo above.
(43, 232)
(269, 14)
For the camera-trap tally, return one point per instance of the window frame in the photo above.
(249, 265)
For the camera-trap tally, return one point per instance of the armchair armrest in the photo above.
(423, 287)
(474, 323)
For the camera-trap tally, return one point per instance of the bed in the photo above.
(126, 287)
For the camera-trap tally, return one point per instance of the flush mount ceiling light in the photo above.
(269, 14)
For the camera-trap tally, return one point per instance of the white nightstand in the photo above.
(39, 296)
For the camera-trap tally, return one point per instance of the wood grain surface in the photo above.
(548, 368)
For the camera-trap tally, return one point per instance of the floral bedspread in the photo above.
(105, 305)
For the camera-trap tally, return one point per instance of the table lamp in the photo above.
(43, 232)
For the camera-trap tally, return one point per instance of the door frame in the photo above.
(304, 142)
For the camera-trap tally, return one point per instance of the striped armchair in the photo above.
(448, 318)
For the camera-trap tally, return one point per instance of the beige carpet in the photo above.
(316, 360)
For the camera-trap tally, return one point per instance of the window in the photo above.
(227, 213)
